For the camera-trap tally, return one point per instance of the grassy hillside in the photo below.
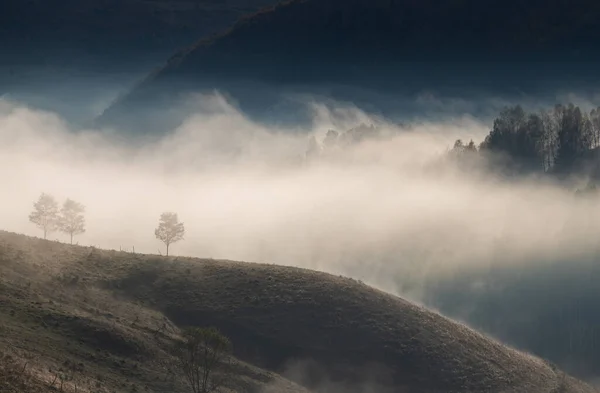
(113, 314)
(57, 317)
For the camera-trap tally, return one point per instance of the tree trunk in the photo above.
(71, 238)
(167, 249)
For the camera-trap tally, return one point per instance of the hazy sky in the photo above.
(374, 211)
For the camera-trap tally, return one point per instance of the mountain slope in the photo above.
(65, 32)
(325, 332)
(74, 57)
(396, 46)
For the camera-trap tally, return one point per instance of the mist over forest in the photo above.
(444, 152)
(455, 212)
(390, 201)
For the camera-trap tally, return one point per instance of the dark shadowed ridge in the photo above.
(322, 331)
(110, 32)
(335, 48)
(73, 57)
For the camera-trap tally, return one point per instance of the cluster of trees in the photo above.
(563, 140)
(70, 219)
(47, 216)
(349, 137)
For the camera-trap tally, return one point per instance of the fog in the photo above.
(383, 210)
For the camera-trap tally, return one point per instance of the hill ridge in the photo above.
(318, 329)
(387, 46)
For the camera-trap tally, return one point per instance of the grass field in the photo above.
(109, 319)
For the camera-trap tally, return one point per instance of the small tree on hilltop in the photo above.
(72, 220)
(203, 357)
(45, 213)
(169, 230)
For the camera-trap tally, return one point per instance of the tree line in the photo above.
(70, 219)
(561, 141)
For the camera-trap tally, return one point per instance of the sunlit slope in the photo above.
(320, 330)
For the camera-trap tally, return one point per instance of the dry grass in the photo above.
(117, 314)
(14, 376)
(89, 337)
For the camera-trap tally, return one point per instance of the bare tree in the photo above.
(203, 357)
(71, 220)
(45, 213)
(169, 230)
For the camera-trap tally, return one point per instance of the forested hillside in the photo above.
(51, 31)
(350, 50)
(563, 141)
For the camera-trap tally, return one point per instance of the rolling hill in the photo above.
(346, 49)
(114, 314)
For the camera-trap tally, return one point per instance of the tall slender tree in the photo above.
(45, 214)
(595, 127)
(71, 220)
(574, 137)
(169, 230)
(518, 138)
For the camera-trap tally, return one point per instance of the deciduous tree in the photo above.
(169, 230)
(71, 220)
(45, 213)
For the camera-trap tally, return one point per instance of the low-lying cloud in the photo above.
(383, 210)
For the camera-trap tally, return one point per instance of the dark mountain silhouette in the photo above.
(74, 56)
(336, 47)
(109, 32)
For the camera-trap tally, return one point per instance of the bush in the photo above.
(203, 356)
